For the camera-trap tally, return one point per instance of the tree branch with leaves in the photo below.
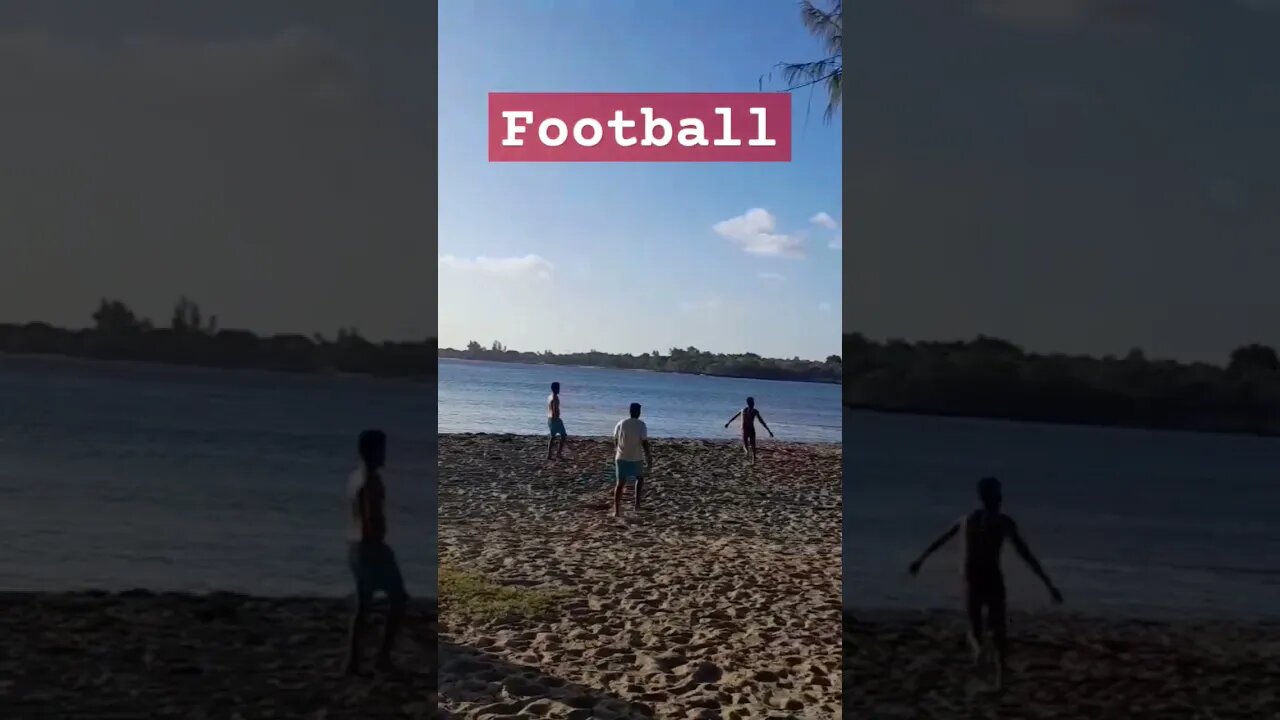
(827, 26)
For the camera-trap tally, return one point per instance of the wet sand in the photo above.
(143, 655)
(719, 599)
(916, 665)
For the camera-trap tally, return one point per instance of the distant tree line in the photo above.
(989, 377)
(192, 338)
(689, 360)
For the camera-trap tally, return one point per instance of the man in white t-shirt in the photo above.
(372, 562)
(631, 443)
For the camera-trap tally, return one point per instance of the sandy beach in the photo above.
(916, 665)
(719, 599)
(143, 655)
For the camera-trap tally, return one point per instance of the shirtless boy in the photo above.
(554, 424)
(983, 533)
(373, 564)
(749, 417)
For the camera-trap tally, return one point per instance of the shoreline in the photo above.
(717, 599)
(1226, 431)
(137, 654)
(1134, 615)
(916, 663)
(676, 440)
(69, 359)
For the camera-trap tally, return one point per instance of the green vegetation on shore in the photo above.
(689, 360)
(469, 596)
(988, 377)
(194, 339)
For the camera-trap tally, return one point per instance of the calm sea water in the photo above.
(1125, 521)
(117, 476)
(511, 398)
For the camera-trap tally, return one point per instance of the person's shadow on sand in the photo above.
(475, 683)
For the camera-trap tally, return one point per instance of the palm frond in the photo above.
(826, 72)
(824, 24)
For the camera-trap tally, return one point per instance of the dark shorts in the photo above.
(374, 568)
(749, 436)
(986, 591)
(556, 426)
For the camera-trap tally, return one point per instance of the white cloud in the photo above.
(529, 266)
(824, 220)
(754, 232)
(773, 276)
(824, 307)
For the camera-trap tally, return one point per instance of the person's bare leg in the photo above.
(639, 485)
(973, 610)
(560, 449)
(395, 616)
(617, 498)
(551, 444)
(996, 618)
(753, 449)
(352, 666)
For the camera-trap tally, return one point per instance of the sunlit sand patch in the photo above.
(720, 598)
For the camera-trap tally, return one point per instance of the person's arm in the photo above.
(367, 506)
(735, 417)
(933, 547)
(765, 424)
(644, 443)
(1024, 551)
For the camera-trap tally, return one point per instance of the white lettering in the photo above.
(650, 130)
(762, 138)
(728, 140)
(561, 129)
(618, 125)
(581, 138)
(693, 133)
(513, 130)
(650, 124)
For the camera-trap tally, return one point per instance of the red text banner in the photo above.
(639, 127)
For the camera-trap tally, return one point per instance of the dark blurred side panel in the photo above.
(215, 221)
(1060, 333)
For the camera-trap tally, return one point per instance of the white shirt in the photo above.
(628, 436)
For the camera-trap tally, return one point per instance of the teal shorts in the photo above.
(629, 469)
(556, 426)
(375, 568)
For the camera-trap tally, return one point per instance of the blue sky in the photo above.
(634, 257)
